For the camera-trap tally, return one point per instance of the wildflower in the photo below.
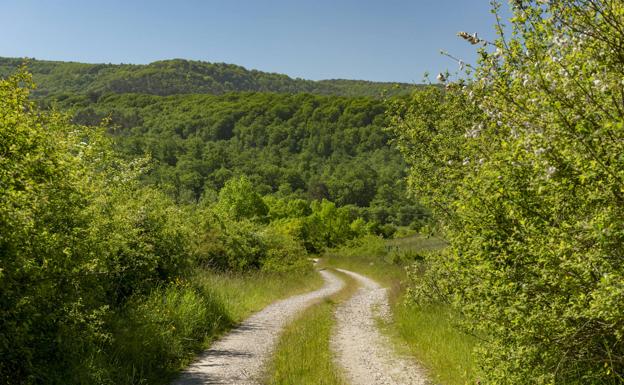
(441, 78)
(550, 171)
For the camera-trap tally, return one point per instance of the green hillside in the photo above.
(304, 146)
(178, 76)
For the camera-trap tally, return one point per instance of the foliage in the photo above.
(293, 146)
(327, 226)
(523, 169)
(93, 262)
(238, 200)
(77, 238)
(178, 76)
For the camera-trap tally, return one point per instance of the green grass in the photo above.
(369, 257)
(156, 336)
(430, 334)
(303, 354)
(243, 294)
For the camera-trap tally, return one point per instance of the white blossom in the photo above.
(550, 171)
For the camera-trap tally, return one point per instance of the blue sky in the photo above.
(383, 40)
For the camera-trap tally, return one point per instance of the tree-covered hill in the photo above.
(305, 146)
(180, 76)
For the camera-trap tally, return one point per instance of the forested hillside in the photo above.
(289, 142)
(178, 76)
(296, 146)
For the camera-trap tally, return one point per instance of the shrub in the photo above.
(523, 169)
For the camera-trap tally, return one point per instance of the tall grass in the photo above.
(430, 334)
(154, 337)
(303, 354)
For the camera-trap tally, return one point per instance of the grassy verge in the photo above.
(430, 334)
(303, 354)
(156, 336)
(427, 333)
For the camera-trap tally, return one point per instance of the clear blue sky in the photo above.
(383, 40)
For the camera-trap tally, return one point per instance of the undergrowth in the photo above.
(154, 337)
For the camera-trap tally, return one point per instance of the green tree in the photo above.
(239, 200)
(523, 169)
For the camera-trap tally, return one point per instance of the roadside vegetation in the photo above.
(303, 355)
(155, 336)
(521, 163)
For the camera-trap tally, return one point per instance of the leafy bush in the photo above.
(523, 168)
(239, 200)
(78, 237)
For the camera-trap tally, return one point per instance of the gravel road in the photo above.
(239, 357)
(361, 350)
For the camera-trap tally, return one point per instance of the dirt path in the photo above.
(239, 357)
(363, 352)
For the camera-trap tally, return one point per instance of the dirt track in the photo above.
(364, 353)
(240, 356)
(360, 349)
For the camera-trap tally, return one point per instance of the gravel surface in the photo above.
(364, 353)
(239, 357)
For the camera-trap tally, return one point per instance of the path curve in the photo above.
(239, 357)
(364, 353)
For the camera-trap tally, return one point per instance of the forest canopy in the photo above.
(179, 76)
(300, 146)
